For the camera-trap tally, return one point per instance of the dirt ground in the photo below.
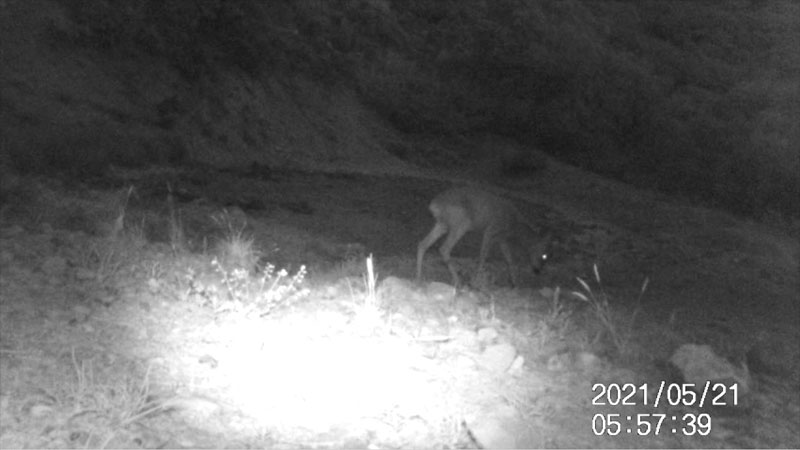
(117, 330)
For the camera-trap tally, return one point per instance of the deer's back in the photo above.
(480, 208)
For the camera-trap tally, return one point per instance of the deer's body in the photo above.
(458, 211)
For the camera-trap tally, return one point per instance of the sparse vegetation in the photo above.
(264, 292)
(177, 238)
(118, 247)
(156, 354)
(121, 401)
(236, 250)
(619, 330)
(235, 282)
(558, 317)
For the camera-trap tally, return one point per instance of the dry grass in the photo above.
(618, 329)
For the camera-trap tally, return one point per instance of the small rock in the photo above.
(490, 433)
(208, 360)
(153, 285)
(41, 410)
(497, 358)
(487, 335)
(771, 356)
(440, 292)
(394, 287)
(39, 405)
(558, 362)
(546, 292)
(84, 274)
(516, 366)
(468, 299)
(587, 361)
(699, 364)
(194, 409)
(465, 338)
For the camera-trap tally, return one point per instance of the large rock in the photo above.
(700, 365)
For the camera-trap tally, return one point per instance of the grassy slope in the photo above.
(75, 104)
(694, 98)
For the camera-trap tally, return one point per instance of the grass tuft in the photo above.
(619, 331)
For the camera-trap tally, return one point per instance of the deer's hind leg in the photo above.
(453, 236)
(436, 232)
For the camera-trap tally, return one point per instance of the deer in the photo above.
(459, 210)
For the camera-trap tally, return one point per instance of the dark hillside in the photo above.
(691, 98)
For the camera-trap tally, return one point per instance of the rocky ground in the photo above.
(125, 323)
